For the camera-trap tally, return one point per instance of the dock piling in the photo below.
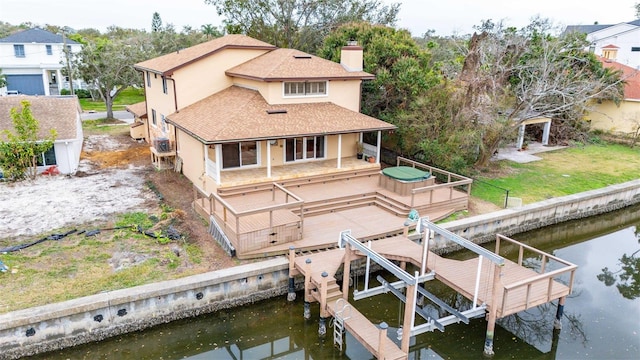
(291, 294)
(557, 323)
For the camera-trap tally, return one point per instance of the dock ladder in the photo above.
(344, 313)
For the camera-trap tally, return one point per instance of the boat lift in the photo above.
(413, 287)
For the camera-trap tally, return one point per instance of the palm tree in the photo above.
(209, 30)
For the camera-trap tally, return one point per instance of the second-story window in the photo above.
(18, 50)
(164, 85)
(305, 88)
(49, 50)
(148, 79)
(154, 120)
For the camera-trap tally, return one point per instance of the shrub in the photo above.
(82, 93)
(65, 92)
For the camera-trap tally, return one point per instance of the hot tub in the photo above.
(402, 179)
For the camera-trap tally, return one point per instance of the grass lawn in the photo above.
(560, 173)
(80, 265)
(128, 96)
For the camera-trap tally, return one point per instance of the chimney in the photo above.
(351, 56)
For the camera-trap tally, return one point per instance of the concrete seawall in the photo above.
(96, 317)
(483, 228)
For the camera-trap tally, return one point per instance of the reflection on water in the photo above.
(601, 318)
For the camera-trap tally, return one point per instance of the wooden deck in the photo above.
(329, 204)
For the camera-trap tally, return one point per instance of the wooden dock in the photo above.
(500, 290)
(312, 268)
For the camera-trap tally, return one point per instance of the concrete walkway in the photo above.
(120, 115)
(523, 156)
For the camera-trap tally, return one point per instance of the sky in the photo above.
(446, 17)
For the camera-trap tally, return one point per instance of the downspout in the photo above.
(175, 94)
(146, 105)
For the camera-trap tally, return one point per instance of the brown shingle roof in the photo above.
(284, 64)
(138, 110)
(52, 112)
(168, 63)
(241, 114)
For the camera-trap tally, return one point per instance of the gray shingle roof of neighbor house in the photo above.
(588, 29)
(36, 35)
(52, 112)
(247, 116)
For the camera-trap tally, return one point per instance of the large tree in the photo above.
(19, 153)
(511, 75)
(108, 66)
(299, 24)
(401, 67)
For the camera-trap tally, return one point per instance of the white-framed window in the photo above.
(239, 154)
(49, 49)
(148, 79)
(164, 124)
(154, 119)
(304, 88)
(304, 148)
(47, 158)
(18, 50)
(164, 85)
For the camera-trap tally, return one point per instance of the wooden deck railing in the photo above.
(546, 278)
(447, 180)
(229, 209)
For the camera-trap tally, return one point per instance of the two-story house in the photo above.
(617, 42)
(32, 61)
(237, 103)
(270, 139)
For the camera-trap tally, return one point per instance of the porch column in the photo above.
(339, 151)
(59, 80)
(379, 144)
(520, 136)
(218, 163)
(268, 144)
(545, 133)
(45, 81)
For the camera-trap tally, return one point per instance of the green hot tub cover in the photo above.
(406, 173)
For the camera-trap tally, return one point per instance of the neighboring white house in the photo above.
(619, 42)
(32, 61)
(61, 113)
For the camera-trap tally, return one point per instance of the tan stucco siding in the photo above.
(611, 118)
(348, 145)
(191, 151)
(277, 153)
(345, 93)
(261, 86)
(207, 76)
(163, 105)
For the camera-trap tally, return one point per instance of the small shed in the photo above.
(61, 113)
(534, 120)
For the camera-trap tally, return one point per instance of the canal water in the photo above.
(601, 318)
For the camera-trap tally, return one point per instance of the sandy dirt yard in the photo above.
(95, 193)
